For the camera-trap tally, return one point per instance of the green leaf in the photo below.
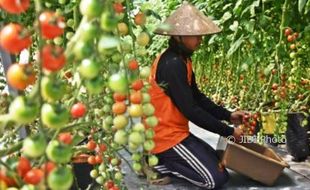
(234, 26)
(249, 25)
(235, 46)
(253, 6)
(237, 7)
(301, 5)
(227, 15)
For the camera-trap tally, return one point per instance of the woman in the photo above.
(177, 100)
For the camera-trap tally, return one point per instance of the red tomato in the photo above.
(51, 25)
(290, 38)
(78, 110)
(19, 76)
(114, 188)
(14, 38)
(133, 65)
(91, 160)
(109, 184)
(34, 176)
(65, 138)
(137, 85)
(53, 58)
(23, 166)
(136, 97)
(102, 147)
(288, 31)
(9, 181)
(91, 145)
(119, 97)
(15, 7)
(48, 167)
(119, 107)
(98, 159)
(118, 7)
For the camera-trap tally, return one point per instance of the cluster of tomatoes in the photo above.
(249, 124)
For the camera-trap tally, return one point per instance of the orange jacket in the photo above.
(173, 125)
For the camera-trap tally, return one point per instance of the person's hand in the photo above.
(236, 117)
(237, 134)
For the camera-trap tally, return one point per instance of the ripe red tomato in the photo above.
(119, 108)
(48, 167)
(136, 97)
(65, 138)
(98, 159)
(51, 25)
(140, 19)
(23, 166)
(133, 65)
(102, 147)
(14, 38)
(15, 7)
(290, 38)
(119, 97)
(9, 181)
(53, 58)
(78, 110)
(137, 85)
(109, 184)
(91, 145)
(118, 7)
(91, 160)
(34, 176)
(114, 188)
(288, 31)
(20, 76)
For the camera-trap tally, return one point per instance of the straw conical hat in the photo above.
(187, 20)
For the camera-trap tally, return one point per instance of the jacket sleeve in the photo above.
(174, 74)
(217, 111)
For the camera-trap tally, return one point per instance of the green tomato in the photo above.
(136, 157)
(100, 180)
(95, 85)
(151, 121)
(22, 110)
(145, 72)
(136, 166)
(107, 45)
(149, 133)
(34, 146)
(152, 160)
(58, 152)
(82, 50)
(136, 138)
(149, 145)
(60, 179)
(89, 69)
(108, 22)
(91, 8)
(52, 89)
(120, 137)
(94, 173)
(148, 109)
(118, 83)
(54, 116)
(89, 31)
(118, 176)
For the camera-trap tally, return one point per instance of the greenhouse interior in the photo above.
(154, 94)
